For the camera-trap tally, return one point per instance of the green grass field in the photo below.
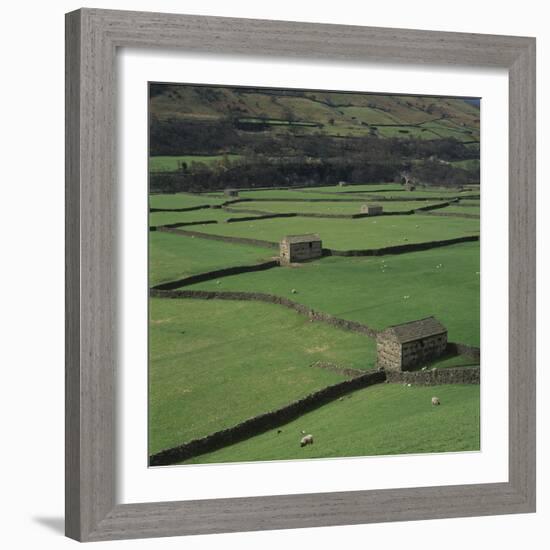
(426, 193)
(460, 209)
(206, 214)
(213, 364)
(293, 194)
(363, 233)
(173, 163)
(357, 188)
(181, 200)
(381, 291)
(379, 420)
(347, 208)
(172, 257)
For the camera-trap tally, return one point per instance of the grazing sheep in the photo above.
(435, 401)
(293, 291)
(306, 440)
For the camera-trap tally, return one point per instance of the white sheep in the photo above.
(306, 440)
(435, 401)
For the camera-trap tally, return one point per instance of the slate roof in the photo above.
(292, 239)
(414, 330)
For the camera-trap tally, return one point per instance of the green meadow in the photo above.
(203, 215)
(381, 291)
(344, 234)
(181, 200)
(172, 256)
(461, 209)
(347, 208)
(385, 419)
(213, 364)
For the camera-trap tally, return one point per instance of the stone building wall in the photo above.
(419, 351)
(435, 377)
(299, 252)
(371, 210)
(388, 354)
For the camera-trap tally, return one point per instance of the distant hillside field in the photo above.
(328, 113)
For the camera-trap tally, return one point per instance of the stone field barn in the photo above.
(409, 345)
(300, 248)
(372, 209)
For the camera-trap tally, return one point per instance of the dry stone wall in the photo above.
(212, 237)
(180, 224)
(209, 275)
(402, 248)
(435, 377)
(264, 422)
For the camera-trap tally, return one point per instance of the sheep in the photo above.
(306, 440)
(293, 291)
(435, 401)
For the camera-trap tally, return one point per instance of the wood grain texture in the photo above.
(92, 37)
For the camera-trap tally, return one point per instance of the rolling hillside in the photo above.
(317, 112)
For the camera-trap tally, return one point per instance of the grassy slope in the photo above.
(172, 163)
(216, 363)
(342, 234)
(380, 420)
(172, 256)
(372, 290)
(336, 113)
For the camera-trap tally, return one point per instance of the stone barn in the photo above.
(403, 347)
(300, 248)
(231, 193)
(372, 209)
(410, 186)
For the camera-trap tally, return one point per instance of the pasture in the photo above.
(379, 420)
(215, 363)
(182, 200)
(172, 257)
(344, 234)
(345, 208)
(381, 291)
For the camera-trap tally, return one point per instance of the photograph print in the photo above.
(314, 274)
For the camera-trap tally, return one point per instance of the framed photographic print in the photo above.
(300, 275)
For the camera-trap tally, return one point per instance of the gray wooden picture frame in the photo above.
(92, 39)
